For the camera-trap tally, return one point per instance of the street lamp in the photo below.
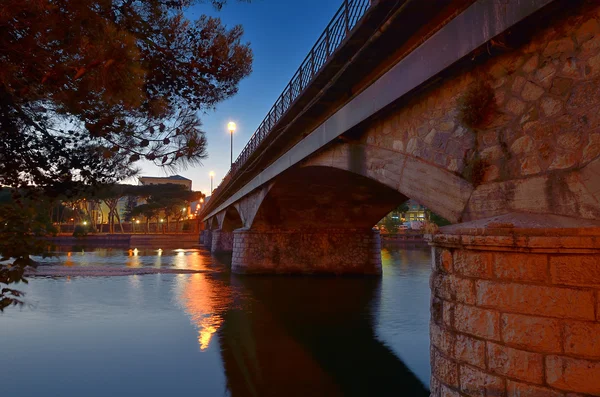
(212, 175)
(231, 127)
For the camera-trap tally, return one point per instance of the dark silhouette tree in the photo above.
(89, 88)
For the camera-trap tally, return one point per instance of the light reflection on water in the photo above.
(218, 334)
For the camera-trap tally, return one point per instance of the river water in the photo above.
(214, 333)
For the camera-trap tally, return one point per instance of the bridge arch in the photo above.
(437, 188)
(320, 197)
(232, 220)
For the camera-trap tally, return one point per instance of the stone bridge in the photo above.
(488, 113)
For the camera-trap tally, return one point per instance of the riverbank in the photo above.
(400, 237)
(100, 271)
(181, 240)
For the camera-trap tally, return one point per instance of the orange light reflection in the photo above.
(203, 298)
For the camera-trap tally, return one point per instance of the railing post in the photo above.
(347, 16)
(327, 42)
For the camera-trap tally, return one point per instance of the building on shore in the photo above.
(172, 180)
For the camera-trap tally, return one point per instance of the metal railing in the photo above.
(346, 18)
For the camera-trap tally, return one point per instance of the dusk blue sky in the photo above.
(281, 33)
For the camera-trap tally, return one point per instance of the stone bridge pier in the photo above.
(221, 233)
(329, 251)
(515, 308)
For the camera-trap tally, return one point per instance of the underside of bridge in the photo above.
(323, 226)
(504, 141)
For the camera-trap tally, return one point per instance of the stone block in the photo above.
(576, 375)
(561, 86)
(469, 350)
(443, 339)
(434, 386)
(515, 106)
(473, 263)
(545, 74)
(556, 48)
(592, 150)
(551, 106)
(539, 334)
(492, 154)
(584, 94)
(476, 383)
(453, 288)
(531, 64)
(593, 66)
(514, 363)
(437, 310)
(521, 267)
(446, 260)
(582, 339)
(587, 30)
(522, 145)
(435, 187)
(532, 92)
(448, 314)
(518, 84)
(598, 306)
(530, 166)
(444, 369)
(447, 392)
(536, 300)
(575, 270)
(477, 322)
(518, 389)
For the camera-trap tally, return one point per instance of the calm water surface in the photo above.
(217, 334)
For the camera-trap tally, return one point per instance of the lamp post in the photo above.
(212, 175)
(231, 127)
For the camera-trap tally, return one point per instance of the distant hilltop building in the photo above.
(174, 179)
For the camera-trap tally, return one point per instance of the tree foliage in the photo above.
(87, 88)
(24, 223)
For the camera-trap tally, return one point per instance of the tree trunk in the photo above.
(119, 220)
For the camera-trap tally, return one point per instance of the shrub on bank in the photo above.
(80, 231)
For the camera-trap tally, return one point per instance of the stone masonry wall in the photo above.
(547, 118)
(516, 313)
(221, 241)
(307, 252)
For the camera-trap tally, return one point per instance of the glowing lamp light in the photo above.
(137, 221)
(212, 173)
(84, 223)
(231, 127)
